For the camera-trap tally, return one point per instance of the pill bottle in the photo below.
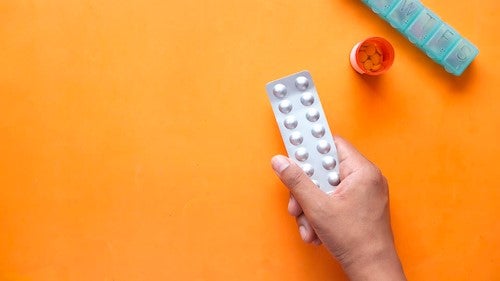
(372, 56)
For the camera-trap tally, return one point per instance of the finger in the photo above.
(350, 159)
(317, 242)
(306, 231)
(293, 207)
(307, 194)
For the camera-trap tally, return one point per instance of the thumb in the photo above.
(307, 194)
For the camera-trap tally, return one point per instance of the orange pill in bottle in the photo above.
(372, 56)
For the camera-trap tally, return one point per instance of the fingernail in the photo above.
(280, 163)
(289, 207)
(303, 232)
(317, 242)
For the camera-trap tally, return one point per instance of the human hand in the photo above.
(353, 222)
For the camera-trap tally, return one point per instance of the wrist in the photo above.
(379, 261)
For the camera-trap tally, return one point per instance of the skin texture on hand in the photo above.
(353, 222)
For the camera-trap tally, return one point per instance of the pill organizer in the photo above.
(428, 32)
(304, 129)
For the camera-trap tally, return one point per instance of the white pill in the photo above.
(302, 83)
(301, 154)
(328, 162)
(318, 130)
(308, 169)
(333, 178)
(307, 99)
(279, 90)
(312, 114)
(323, 147)
(290, 122)
(285, 106)
(296, 138)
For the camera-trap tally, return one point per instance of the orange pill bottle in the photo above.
(372, 56)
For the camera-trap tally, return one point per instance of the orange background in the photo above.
(135, 138)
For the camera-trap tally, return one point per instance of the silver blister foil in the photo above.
(304, 128)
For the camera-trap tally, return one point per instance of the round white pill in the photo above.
(285, 106)
(279, 90)
(318, 130)
(302, 83)
(296, 138)
(307, 99)
(312, 115)
(301, 154)
(329, 163)
(290, 122)
(333, 178)
(323, 147)
(308, 169)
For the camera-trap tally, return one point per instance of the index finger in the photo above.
(350, 159)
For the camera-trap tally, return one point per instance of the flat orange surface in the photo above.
(136, 136)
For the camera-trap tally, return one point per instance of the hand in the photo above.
(353, 222)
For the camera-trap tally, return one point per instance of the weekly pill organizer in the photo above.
(304, 128)
(428, 32)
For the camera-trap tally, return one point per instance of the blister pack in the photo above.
(304, 128)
